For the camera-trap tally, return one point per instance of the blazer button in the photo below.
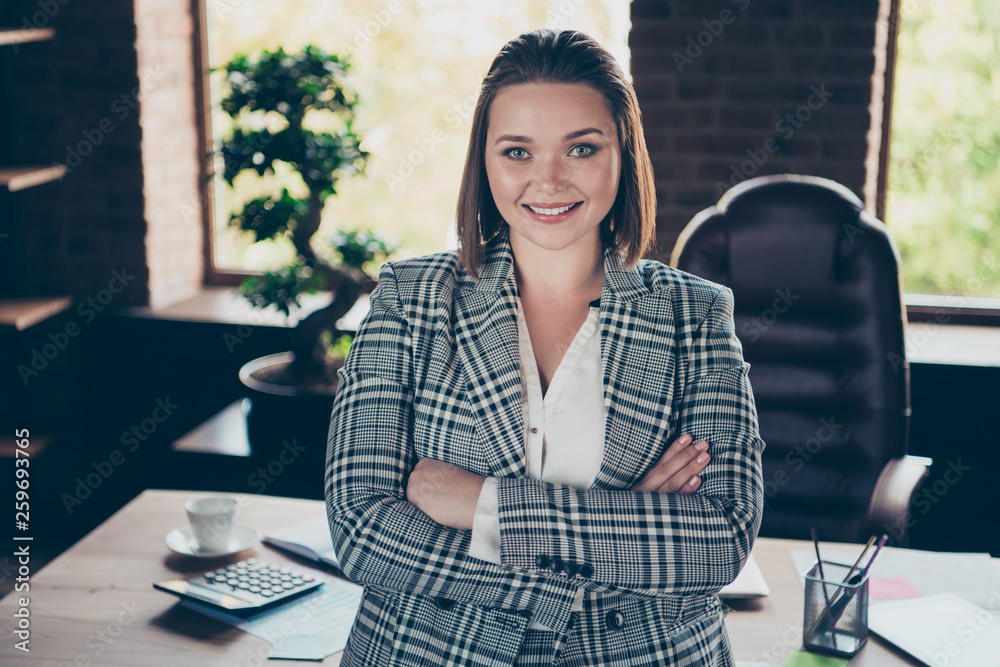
(572, 568)
(557, 564)
(587, 570)
(444, 604)
(541, 561)
(615, 620)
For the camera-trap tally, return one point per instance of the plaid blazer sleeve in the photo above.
(383, 541)
(652, 544)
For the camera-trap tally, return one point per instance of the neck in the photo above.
(564, 273)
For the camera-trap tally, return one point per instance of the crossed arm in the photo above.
(644, 541)
(449, 494)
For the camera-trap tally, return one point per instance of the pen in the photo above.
(871, 541)
(822, 577)
(839, 604)
(881, 543)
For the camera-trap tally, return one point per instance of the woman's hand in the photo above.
(444, 492)
(678, 469)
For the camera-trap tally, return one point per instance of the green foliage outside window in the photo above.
(944, 178)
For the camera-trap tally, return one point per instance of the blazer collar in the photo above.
(497, 272)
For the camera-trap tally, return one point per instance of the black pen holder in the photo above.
(835, 621)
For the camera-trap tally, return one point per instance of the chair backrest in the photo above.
(818, 308)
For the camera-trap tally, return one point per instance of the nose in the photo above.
(551, 175)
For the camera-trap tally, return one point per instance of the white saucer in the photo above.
(182, 541)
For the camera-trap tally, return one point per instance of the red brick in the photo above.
(859, 10)
(743, 116)
(647, 89)
(698, 89)
(650, 9)
(674, 115)
(796, 35)
(857, 35)
(851, 147)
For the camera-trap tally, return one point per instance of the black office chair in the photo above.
(818, 307)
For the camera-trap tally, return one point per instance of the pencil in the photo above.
(822, 584)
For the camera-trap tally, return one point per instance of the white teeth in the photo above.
(551, 211)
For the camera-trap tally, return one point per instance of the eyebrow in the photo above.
(521, 139)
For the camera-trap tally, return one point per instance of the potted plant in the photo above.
(296, 110)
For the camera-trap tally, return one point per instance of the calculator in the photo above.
(247, 586)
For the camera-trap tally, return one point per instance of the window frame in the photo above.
(920, 307)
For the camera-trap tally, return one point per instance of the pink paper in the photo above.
(891, 588)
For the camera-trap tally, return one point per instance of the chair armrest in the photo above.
(888, 511)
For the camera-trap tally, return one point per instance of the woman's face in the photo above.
(553, 161)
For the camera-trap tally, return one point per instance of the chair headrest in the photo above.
(797, 221)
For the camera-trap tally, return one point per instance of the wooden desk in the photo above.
(95, 604)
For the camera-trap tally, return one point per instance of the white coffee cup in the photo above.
(212, 521)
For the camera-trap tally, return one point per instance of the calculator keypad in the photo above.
(258, 582)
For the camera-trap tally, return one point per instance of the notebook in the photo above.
(749, 584)
(944, 629)
(310, 540)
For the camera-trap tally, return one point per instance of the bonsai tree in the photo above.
(269, 99)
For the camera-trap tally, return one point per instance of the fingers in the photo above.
(681, 481)
(693, 485)
(676, 467)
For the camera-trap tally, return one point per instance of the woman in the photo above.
(499, 475)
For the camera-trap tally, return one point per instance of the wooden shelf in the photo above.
(25, 35)
(20, 178)
(22, 313)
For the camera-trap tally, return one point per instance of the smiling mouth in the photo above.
(540, 210)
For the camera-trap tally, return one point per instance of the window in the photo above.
(944, 173)
(417, 65)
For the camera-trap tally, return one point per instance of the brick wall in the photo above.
(730, 89)
(733, 89)
(170, 149)
(111, 97)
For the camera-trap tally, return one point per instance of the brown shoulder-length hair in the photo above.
(561, 56)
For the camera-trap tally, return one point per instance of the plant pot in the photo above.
(287, 429)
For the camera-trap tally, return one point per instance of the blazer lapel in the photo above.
(486, 337)
(637, 352)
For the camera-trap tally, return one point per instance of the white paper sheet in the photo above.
(329, 612)
(973, 576)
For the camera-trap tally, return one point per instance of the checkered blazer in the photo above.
(433, 372)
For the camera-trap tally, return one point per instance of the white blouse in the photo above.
(564, 429)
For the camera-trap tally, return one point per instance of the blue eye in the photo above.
(516, 153)
(583, 150)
